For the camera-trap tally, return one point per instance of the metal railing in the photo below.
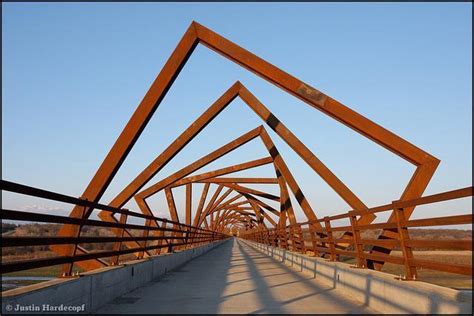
(169, 235)
(320, 235)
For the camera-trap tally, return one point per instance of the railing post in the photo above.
(332, 248)
(292, 238)
(404, 236)
(358, 247)
(186, 239)
(146, 233)
(161, 233)
(119, 234)
(67, 267)
(286, 237)
(275, 237)
(301, 239)
(314, 242)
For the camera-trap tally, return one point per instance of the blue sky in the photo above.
(74, 73)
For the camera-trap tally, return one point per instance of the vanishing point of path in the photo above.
(234, 278)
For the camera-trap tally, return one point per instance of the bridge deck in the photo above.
(234, 278)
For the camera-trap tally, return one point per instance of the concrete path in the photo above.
(234, 278)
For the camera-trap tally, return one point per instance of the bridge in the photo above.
(238, 253)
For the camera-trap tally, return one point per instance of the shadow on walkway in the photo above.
(233, 278)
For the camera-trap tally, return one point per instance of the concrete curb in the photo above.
(377, 290)
(96, 288)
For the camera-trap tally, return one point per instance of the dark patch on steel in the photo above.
(272, 121)
(312, 94)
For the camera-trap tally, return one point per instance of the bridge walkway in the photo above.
(235, 278)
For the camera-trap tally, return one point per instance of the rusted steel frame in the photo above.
(445, 220)
(176, 146)
(220, 104)
(254, 205)
(197, 215)
(162, 234)
(250, 197)
(407, 252)
(414, 189)
(229, 214)
(233, 222)
(206, 224)
(260, 219)
(242, 208)
(172, 209)
(242, 212)
(332, 250)
(153, 168)
(267, 217)
(197, 33)
(214, 224)
(434, 198)
(135, 126)
(188, 203)
(223, 171)
(208, 212)
(243, 189)
(230, 218)
(236, 143)
(169, 153)
(258, 214)
(145, 234)
(188, 215)
(245, 202)
(210, 204)
(308, 94)
(241, 180)
(202, 200)
(144, 206)
(286, 210)
(119, 234)
(228, 202)
(230, 221)
(318, 166)
(314, 242)
(420, 180)
(203, 161)
(211, 221)
(234, 216)
(67, 268)
(409, 152)
(358, 246)
(220, 218)
(220, 199)
(286, 173)
(146, 210)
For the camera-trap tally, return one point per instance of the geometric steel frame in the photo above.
(195, 34)
(177, 176)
